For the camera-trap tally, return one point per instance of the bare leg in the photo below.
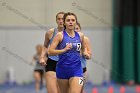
(51, 82)
(63, 85)
(76, 84)
(37, 77)
(84, 80)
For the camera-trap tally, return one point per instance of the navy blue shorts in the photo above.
(67, 73)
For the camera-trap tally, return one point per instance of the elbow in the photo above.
(88, 58)
(90, 55)
(49, 52)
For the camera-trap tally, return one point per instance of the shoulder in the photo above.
(59, 34)
(80, 34)
(86, 38)
(58, 37)
(50, 31)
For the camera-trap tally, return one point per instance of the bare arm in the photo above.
(83, 48)
(87, 46)
(43, 57)
(57, 39)
(82, 42)
(46, 44)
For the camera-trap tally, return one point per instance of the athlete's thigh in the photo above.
(63, 85)
(51, 82)
(37, 75)
(76, 84)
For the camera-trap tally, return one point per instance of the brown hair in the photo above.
(59, 13)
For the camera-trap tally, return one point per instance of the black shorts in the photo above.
(40, 71)
(51, 65)
(84, 69)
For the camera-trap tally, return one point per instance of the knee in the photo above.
(38, 81)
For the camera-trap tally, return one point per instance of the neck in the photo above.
(70, 32)
(60, 29)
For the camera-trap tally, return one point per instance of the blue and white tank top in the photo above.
(55, 58)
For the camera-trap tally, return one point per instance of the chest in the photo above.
(75, 42)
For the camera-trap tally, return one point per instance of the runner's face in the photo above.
(59, 20)
(70, 22)
(77, 28)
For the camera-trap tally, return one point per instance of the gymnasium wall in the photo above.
(90, 13)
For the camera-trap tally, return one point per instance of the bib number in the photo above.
(78, 46)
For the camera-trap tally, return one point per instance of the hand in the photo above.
(43, 60)
(68, 46)
(86, 55)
